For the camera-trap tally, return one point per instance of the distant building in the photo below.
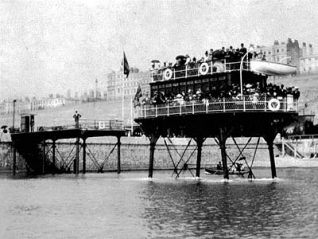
(118, 85)
(308, 64)
(292, 53)
(20, 106)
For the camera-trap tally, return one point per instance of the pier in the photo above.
(35, 146)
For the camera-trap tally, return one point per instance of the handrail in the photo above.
(85, 124)
(247, 104)
(187, 71)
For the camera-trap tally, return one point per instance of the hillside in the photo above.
(64, 115)
(308, 103)
(308, 86)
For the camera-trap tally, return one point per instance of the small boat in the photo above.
(216, 171)
(271, 68)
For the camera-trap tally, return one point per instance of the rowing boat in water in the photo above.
(216, 171)
(271, 68)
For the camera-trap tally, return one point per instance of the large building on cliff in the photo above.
(119, 86)
(293, 53)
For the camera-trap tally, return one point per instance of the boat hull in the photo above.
(271, 68)
(220, 172)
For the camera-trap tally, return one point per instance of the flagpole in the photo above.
(122, 99)
(125, 73)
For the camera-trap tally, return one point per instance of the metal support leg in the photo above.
(222, 142)
(272, 159)
(153, 141)
(84, 155)
(269, 138)
(53, 156)
(199, 141)
(118, 155)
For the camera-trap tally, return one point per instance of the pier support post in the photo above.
(270, 141)
(43, 157)
(14, 166)
(153, 141)
(53, 155)
(76, 160)
(199, 141)
(118, 155)
(84, 155)
(222, 142)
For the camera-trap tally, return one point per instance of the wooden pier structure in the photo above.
(34, 146)
(221, 118)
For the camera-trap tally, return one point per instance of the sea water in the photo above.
(130, 205)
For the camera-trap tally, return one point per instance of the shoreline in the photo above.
(281, 162)
(289, 162)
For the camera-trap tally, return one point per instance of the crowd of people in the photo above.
(200, 94)
(228, 55)
(250, 91)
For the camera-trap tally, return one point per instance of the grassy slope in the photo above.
(64, 115)
(308, 85)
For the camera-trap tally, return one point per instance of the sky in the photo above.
(49, 46)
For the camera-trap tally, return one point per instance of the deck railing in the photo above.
(198, 69)
(84, 124)
(247, 104)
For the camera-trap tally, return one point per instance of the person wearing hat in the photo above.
(296, 93)
(243, 50)
(188, 59)
(206, 56)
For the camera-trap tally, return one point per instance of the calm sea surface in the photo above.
(131, 206)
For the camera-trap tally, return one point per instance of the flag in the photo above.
(137, 96)
(125, 65)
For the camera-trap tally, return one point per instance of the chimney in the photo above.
(311, 49)
(304, 49)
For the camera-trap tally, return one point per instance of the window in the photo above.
(277, 50)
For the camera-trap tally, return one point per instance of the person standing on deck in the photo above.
(243, 50)
(76, 117)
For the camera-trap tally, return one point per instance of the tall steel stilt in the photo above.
(118, 155)
(199, 141)
(270, 141)
(272, 158)
(222, 143)
(153, 141)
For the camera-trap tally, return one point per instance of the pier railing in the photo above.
(197, 69)
(88, 124)
(224, 105)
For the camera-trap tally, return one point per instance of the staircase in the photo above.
(289, 149)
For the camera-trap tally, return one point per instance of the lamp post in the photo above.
(241, 69)
(13, 113)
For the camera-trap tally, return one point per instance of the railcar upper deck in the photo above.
(213, 87)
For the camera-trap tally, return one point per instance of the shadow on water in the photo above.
(205, 210)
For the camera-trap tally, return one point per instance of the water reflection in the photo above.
(205, 210)
(130, 206)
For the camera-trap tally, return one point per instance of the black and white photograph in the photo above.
(157, 119)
